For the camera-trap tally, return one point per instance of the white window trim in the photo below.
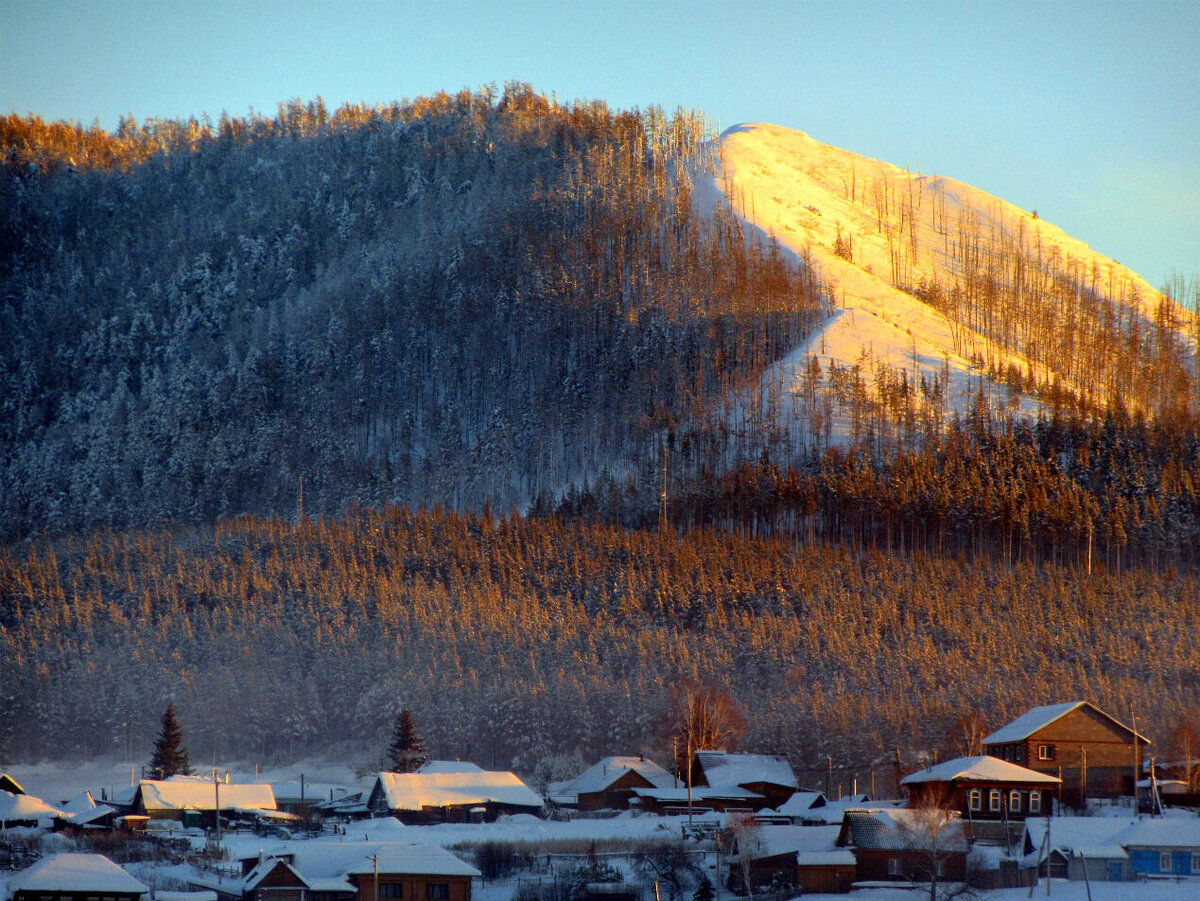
(995, 799)
(975, 799)
(1035, 802)
(1045, 752)
(1165, 862)
(894, 866)
(1196, 863)
(1014, 801)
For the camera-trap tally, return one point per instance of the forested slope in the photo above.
(461, 299)
(521, 640)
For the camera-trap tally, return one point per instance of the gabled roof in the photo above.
(801, 802)
(415, 791)
(978, 769)
(324, 863)
(196, 794)
(725, 770)
(1037, 718)
(1101, 836)
(264, 868)
(9, 784)
(83, 809)
(76, 873)
(600, 776)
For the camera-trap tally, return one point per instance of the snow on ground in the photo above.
(806, 194)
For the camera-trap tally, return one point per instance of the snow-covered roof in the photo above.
(25, 807)
(76, 873)
(1098, 837)
(699, 793)
(449, 766)
(771, 841)
(802, 802)
(724, 769)
(291, 790)
(9, 784)
(417, 859)
(600, 776)
(978, 769)
(264, 868)
(1039, 717)
(900, 828)
(202, 795)
(414, 791)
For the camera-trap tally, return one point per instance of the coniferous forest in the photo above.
(272, 388)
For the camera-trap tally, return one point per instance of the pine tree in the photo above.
(407, 750)
(170, 756)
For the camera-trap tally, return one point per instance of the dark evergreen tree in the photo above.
(407, 750)
(704, 891)
(170, 756)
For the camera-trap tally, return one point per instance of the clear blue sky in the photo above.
(1088, 112)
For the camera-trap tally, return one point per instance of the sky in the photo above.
(1088, 112)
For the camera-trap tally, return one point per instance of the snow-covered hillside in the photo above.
(909, 260)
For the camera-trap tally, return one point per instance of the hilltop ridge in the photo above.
(935, 277)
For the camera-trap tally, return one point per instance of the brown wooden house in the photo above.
(1094, 754)
(610, 784)
(904, 845)
(75, 877)
(263, 879)
(768, 776)
(983, 788)
(803, 857)
(413, 873)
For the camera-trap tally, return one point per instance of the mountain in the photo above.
(942, 282)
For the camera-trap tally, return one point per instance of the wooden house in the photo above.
(75, 877)
(1094, 754)
(904, 845)
(611, 784)
(26, 811)
(983, 788)
(194, 801)
(416, 798)
(803, 857)
(413, 873)
(767, 776)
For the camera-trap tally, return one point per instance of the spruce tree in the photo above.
(170, 756)
(407, 750)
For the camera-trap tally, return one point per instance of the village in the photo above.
(1063, 793)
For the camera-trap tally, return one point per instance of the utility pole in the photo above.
(217, 801)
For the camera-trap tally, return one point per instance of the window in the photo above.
(994, 800)
(1035, 802)
(1164, 862)
(437, 891)
(1045, 752)
(894, 866)
(1196, 863)
(391, 890)
(975, 799)
(1014, 801)
(939, 868)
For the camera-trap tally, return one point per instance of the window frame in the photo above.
(1045, 752)
(1035, 801)
(894, 868)
(975, 800)
(1014, 801)
(995, 799)
(1196, 863)
(391, 890)
(1166, 863)
(437, 891)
